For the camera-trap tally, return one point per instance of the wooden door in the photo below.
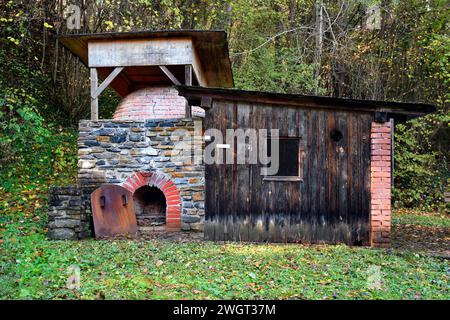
(113, 212)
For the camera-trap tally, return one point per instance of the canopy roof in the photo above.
(211, 62)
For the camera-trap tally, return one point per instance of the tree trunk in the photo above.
(319, 43)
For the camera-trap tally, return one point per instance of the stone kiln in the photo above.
(142, 157)
(139, 148)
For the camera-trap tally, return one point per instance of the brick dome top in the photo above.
(154, 103)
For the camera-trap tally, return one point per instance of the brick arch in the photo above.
(170, 190)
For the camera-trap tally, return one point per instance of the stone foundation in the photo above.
(68, 218)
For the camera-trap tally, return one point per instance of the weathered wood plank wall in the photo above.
(330, 205)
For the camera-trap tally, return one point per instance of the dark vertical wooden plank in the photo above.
(218, 230)
(313, 185)
(210, 182)
(242, 179)
(332, 215)
(344, 235)
(228, 174)
(188, 82)
(278, 201)
(258, 192)
(293, 188)
(365, 175)
(221, 227)
(353, 194)
(322, 210)
(303, 117)
(234, 186)
(292, 122)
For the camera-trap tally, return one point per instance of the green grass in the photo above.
(428, 220)
(35, 268)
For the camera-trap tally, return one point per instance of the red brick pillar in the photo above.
(380, 184)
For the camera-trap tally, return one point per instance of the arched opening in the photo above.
(171, 208)
(150, 206)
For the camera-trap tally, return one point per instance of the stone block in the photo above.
(197, 226)
(190, 218)
(62, 234)
(118, 138)
(135, 137)
(64, 223)
(185, 226)
(104, 132)
(198, 196)
(84, 151)
(86, 164)
(91, 143)
(103, 138)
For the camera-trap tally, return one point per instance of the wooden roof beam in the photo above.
(170, 75)
(97, 90)
(148, 52)
(106, 82)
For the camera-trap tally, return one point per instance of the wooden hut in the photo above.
(335, 167)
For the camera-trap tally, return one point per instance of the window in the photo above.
(289, 159)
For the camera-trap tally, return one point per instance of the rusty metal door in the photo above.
(113, 212)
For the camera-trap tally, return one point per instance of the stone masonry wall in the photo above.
(380, 184)
(114, 151)
(67, 217)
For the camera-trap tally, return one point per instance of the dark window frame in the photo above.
(292, 178)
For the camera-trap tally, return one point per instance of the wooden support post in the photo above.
(96, 91)
(94, 99)
(188, 82)
(206, 102)
(106, 82)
